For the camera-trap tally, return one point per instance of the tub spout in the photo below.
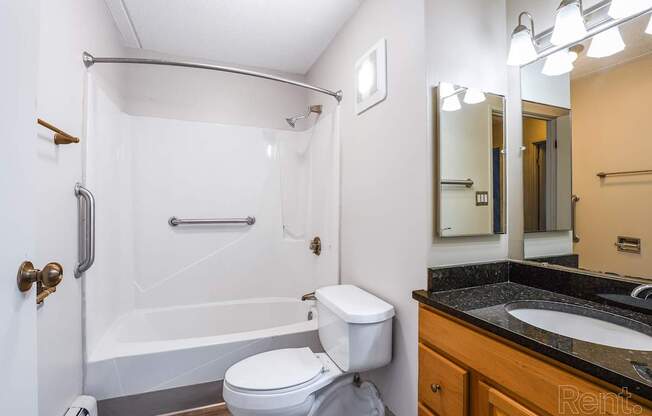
(308, 296)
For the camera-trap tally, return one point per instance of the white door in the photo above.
(18, 77)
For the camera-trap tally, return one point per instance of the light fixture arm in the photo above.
(565, 3)
(456, 92)
(521, 26)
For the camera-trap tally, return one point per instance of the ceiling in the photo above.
(284, 35)
(638, 44)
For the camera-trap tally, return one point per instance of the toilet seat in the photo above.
(275, 370)
(282, 378)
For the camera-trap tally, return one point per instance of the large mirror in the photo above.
(587, 154)
(470, 167)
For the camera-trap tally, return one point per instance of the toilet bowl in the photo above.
(355, 329)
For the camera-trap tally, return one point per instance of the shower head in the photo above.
(292, 121)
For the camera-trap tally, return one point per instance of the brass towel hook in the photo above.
(60, 136)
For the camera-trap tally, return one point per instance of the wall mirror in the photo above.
(469, 162)
(587, 165)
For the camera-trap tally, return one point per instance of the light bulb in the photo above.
(606, 44)
(451, 103)
(626, 8)
(366, 78)
(521, 50)
(558, 63)
(474, 96)
(569, 24)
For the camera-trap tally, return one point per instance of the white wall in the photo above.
(67, 28)
(216, 97)
(384, 177)
(475, 58)
(540, 88)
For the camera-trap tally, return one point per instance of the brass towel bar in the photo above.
(60, 136)
(627, 172)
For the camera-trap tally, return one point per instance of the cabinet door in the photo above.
(443, 385)
(492, 402)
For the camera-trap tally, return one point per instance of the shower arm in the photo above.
(90, 60)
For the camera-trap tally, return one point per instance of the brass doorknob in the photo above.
(49, 277)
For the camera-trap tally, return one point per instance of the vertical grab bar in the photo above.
(86, 204)
(574, 200)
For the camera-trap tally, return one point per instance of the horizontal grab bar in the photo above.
(174, 221)
(466, 182)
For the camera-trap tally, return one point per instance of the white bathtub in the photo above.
(156, 349)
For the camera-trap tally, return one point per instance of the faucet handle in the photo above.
(642, 292)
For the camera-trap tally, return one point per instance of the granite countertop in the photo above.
(484, 306)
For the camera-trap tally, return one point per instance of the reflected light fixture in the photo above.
(574, 52)
(569, 23)
(606, 44)
(522, 49)
(626, 8)
(559, 63)
(474, 96)
(449, 96)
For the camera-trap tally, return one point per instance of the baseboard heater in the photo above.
(83, 406)
(77, 411)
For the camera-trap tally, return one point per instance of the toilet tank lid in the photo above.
(354, 305)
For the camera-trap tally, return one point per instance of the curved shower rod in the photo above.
(90, 60)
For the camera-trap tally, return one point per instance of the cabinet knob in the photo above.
(436, 388)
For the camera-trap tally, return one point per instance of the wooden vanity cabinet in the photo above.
(465, 371)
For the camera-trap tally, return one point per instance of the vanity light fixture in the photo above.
(569, 23)
(625, 8)
(474, 96)
(607, 43)
(448, 94)
(559, 63)
(522, 49)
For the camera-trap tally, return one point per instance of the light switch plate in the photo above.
(481, 199)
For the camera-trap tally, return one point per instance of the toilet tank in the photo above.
(355, 327)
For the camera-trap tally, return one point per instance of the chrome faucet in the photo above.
(645, 290)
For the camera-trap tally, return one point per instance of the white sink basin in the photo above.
(583, 323)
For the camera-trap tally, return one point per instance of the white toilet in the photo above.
(355, 330)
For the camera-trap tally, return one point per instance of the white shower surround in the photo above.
(144, 170)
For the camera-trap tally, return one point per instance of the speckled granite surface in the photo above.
(568, 260)
(483, 305)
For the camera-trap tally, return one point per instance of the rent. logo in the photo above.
(574, 402)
